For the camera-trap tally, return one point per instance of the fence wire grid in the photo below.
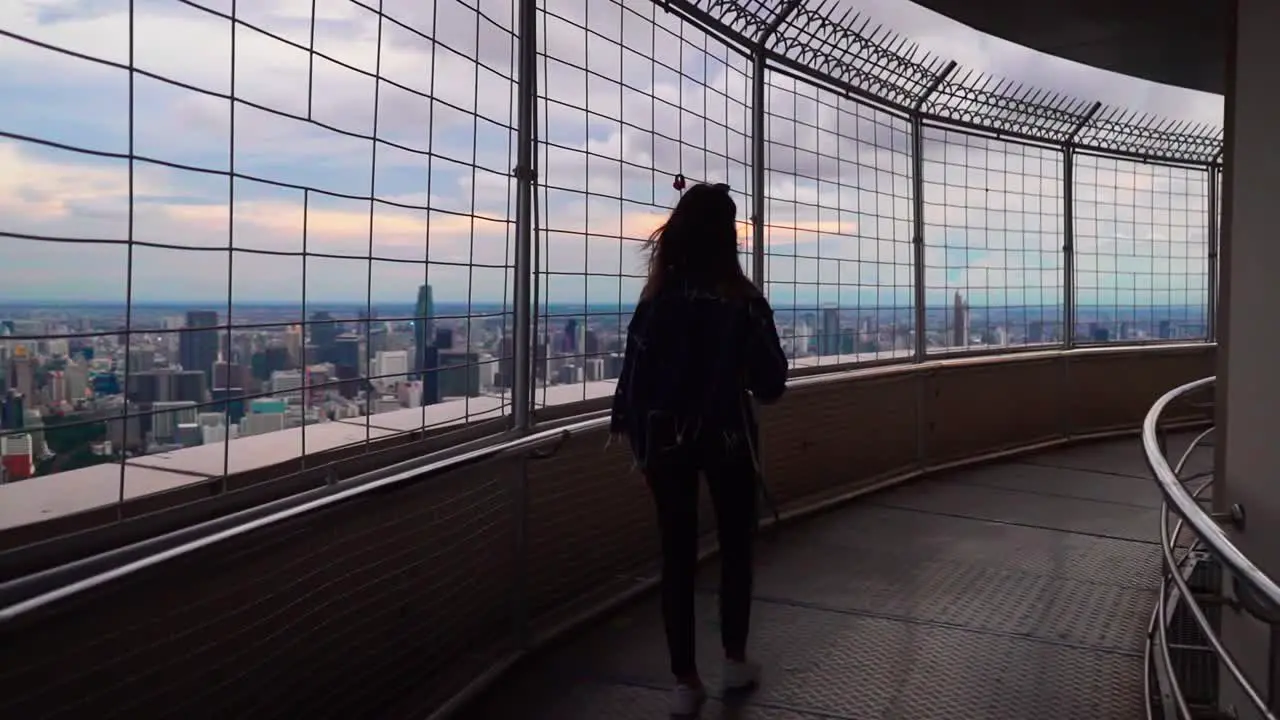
(236, 234)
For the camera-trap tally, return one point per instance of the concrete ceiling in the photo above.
(1176, 42)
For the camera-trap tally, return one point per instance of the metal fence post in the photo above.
(758, 138)
(917, 209)
(917, 235)
(1211, 306)
(522, 362)
(1068, 248)
(1069, 228)
(757, 167)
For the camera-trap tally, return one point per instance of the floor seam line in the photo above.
(1091, 471)
(1041, 493)
(1013, 523)
(817, 607)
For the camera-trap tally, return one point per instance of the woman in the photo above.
(702, 341)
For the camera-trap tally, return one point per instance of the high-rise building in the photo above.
(391, 366)
(960, 322)
(192, 385)
(423, 334)
(293, 343)
(141, 359)
(377, 337)
(56, 384)
(324, 331)
(165, 384)
(12, 411)
(363, 321)
(287, 384)
(226, 374)
(198, 343)
(429, 359)
(829, 340)
(569, 340)
(347, 360)
(506, 363)
(22, 372)
(271, 359)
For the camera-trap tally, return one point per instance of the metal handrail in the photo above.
(1208, 535)
(525, 442)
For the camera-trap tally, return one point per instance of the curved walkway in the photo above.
(1018, 590)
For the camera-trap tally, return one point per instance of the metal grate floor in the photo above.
(1017, 590)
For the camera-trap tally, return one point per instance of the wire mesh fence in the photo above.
(993, 242)
(236, 234)
(1142, 250)
(634, 105)
(838, 231)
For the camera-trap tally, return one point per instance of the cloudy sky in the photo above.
(433, 83)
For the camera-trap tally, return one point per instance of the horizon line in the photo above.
(215, 305)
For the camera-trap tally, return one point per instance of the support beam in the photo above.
(1069, 228)
(758, 136)
(1248, 390)
(526, 127)
(917, 211)
(1068, 247)
(757, 168)
(1211, 301)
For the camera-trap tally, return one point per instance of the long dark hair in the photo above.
(698, 246)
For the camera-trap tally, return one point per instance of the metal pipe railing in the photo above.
(1208, 535)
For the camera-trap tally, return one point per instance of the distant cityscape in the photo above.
(84, 384)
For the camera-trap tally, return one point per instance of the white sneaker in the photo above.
(687, 701)
(740, 675)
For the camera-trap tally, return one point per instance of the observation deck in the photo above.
(929, 589)
(308, 418)
(1019, 589)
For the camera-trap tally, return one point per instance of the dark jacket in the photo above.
(693, 360)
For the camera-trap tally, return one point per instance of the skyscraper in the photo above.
(423, 331)
(569, 343)
(829, 341)
(12, 409)
(324, 331)
(347, 360)
(960, 322)
(198, 343)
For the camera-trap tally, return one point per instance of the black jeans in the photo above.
(673, 478)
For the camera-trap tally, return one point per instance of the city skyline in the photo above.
(356, 306)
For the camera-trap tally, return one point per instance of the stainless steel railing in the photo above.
(1256, 592)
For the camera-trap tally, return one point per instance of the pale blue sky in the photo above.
(838, 180)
